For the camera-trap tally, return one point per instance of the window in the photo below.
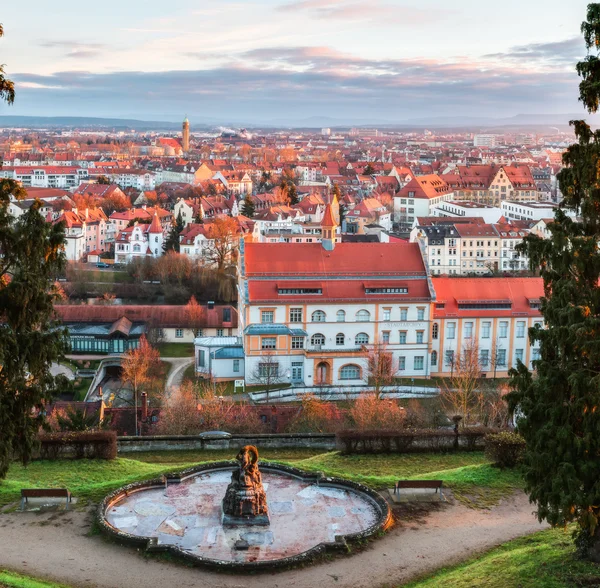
(267, 316)
(385, 337)
(420, 314)
(404, 314)
(402, 337)
(340, 339)
(434, 356)
(361, 339)
(435, 331)
(227, 315)
(269, 343)
(201, 358)
(518, 356)
(520, 329)
(268, 370)
(418, 363)
(535, 354)
(503, 331)
(295, 315)
(318, 316)
(386, 290)
(420, 336)
(236, 366)
(341, 316)
(484, 357)
(350, 372)
(501, 357)
(449, 357)
(296, 291)
(179, 333)
(297, 342)
(451, 330)
(468, 330)
(317, 339)
(387, 314)
(401, 363)
(485, 330)
(363, 316)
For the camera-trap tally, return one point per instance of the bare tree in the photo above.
(380, 368)
(138, 367)
(222, 241)
(267, 373)
(461, 393)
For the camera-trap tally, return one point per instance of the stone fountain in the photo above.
(216, 514)
(245, 501)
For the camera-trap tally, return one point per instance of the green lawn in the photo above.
(473, 481)
(543, 560)
(11, 580)
(176, 349)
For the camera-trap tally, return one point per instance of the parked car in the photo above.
(102, 264)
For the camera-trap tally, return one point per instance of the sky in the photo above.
(271, 61)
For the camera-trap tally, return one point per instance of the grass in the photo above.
(104, 277)
(12, 580)
(472, 479)
(543, 560)
(176, 349)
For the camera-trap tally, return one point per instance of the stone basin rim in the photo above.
(382, 508)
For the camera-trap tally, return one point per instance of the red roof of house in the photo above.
(519, 291)
(350, 259)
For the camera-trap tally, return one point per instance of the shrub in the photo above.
(505, 449)
(78, 444)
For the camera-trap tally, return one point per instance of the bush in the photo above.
(86, 444)
(505, 449)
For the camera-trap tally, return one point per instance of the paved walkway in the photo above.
(57, 547)
(57, 368)
(178, 367)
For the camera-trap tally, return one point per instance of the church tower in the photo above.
(328, 229)
(185, 144)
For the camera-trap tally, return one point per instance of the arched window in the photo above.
(340, 339)
(136, 248)
(318, 316)
(435, 330)
(363, 316)
(341, 316)
(434, 358)
(318, 339)
(361, 339)
(350, 372)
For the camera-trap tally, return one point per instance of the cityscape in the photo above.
(309, 298)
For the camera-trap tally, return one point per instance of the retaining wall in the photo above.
(193, 442)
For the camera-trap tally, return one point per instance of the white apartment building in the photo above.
(464, 209)
(534, 210)
(314, 312)
(484, 140)
(493, 315)
(65, 177)
(140, 179)
(419, 197)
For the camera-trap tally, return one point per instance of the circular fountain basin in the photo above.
(308, 514)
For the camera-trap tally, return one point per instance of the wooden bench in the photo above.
(45, 493)
(437, 484)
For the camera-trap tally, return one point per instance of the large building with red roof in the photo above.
(312, 313)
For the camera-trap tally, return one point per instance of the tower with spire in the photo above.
(185, 143)
(328, 229)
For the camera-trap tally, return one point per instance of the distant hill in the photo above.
(86, 122)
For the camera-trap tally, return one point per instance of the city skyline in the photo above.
(271, 60)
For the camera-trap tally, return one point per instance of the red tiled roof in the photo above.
(520, 291)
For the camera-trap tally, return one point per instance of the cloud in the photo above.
(566, 52)
(74, 49)
(374, 11)
(304, 81)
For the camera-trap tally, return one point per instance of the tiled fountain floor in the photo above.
(188, 515)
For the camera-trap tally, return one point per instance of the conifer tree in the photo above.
(249, 208)
(172, 241)
(560, 403)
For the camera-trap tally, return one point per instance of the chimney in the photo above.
(144, 406)
(102, 406)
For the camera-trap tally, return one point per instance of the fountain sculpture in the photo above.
(245, 502)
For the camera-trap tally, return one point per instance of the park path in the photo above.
(56, 546)
(178, 367)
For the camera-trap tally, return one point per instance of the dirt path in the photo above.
(56, 546)
(178, 366)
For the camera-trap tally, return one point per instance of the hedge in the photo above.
(412, 440)
(505, 449)
(79, 445)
